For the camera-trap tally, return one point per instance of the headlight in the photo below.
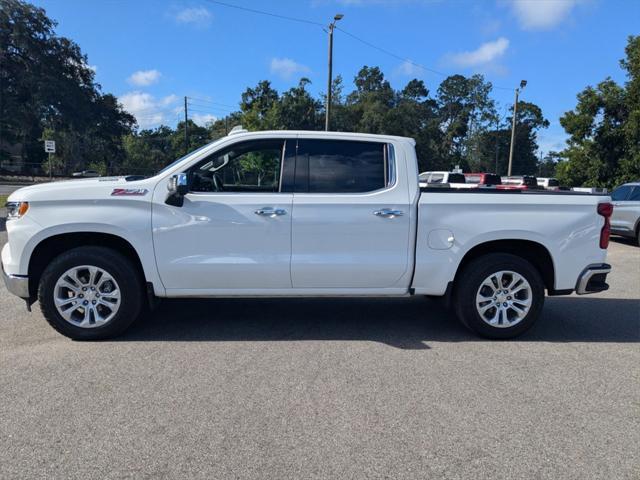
(16, 209)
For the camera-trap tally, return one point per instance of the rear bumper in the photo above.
(16, 284)
(593, 279)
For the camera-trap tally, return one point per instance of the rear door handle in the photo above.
(388, 213)
(270, 212)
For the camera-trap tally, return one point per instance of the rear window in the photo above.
(456, 178)
(530, 181)
(553, 182)
(340, 166)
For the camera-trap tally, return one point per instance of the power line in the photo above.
(262, 12)
(206, 100)
(405, 59)
(355, 37)
(211, 107)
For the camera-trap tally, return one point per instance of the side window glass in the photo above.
(635, 195)
(436, 178)
(340, 166)
(620, 193)
(253, 166)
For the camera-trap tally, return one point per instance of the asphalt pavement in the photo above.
(328, 388)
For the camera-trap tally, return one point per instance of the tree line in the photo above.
(49, 92)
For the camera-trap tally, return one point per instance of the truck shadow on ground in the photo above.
(405, 323)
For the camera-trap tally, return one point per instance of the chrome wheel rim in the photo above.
(504, 299)
(87, 296)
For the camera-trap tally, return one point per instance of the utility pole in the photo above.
(332, 25)
(523, 83)
(186, 127)
(497, 142)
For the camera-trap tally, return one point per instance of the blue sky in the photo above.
(151, 53)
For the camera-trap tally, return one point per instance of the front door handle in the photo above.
(270, 212)
(388, 213)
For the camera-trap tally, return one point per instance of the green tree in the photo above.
(604, 145)
(260, 107)
(298, 110)
(465, 110)
(46, 83)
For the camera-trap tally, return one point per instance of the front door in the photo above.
(233, 233)
(351, 217)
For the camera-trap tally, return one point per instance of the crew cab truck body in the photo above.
(287, 213)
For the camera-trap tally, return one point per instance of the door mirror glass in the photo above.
(178, 187)
(178, 184)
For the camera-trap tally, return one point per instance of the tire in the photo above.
(517, 310)
(114, 302)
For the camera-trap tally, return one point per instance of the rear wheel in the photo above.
(90, 293)
(499, 295)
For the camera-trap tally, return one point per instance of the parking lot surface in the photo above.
(328, 388)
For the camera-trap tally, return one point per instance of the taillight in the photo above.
(605, 209)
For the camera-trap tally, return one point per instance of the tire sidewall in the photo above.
(112, 262)
(472, 277)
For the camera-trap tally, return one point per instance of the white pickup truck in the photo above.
(294, 213)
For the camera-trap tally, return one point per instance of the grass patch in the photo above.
(3, 200)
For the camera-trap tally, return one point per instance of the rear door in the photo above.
(351, 216)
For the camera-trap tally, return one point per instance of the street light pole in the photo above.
(523, 83)
(330, 80)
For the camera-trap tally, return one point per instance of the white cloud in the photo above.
(198, 16)
(203, 119)
(485, 54)
(408, 69)
(541, 14)
(150, 111)
(144, 78)
(286, 68)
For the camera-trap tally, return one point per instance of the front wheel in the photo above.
(90, 293)
(499, 295)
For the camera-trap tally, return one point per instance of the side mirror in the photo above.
(178, 187)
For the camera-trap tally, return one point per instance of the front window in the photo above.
(252, 166)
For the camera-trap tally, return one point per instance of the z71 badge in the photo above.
(129, 192)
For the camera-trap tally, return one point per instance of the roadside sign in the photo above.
(50, 146)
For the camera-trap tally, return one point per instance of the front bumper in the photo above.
(593, 279)
(16, 284)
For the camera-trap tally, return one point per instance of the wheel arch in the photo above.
(535, 253)
(49, 248)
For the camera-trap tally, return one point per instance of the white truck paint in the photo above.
(395, 240)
